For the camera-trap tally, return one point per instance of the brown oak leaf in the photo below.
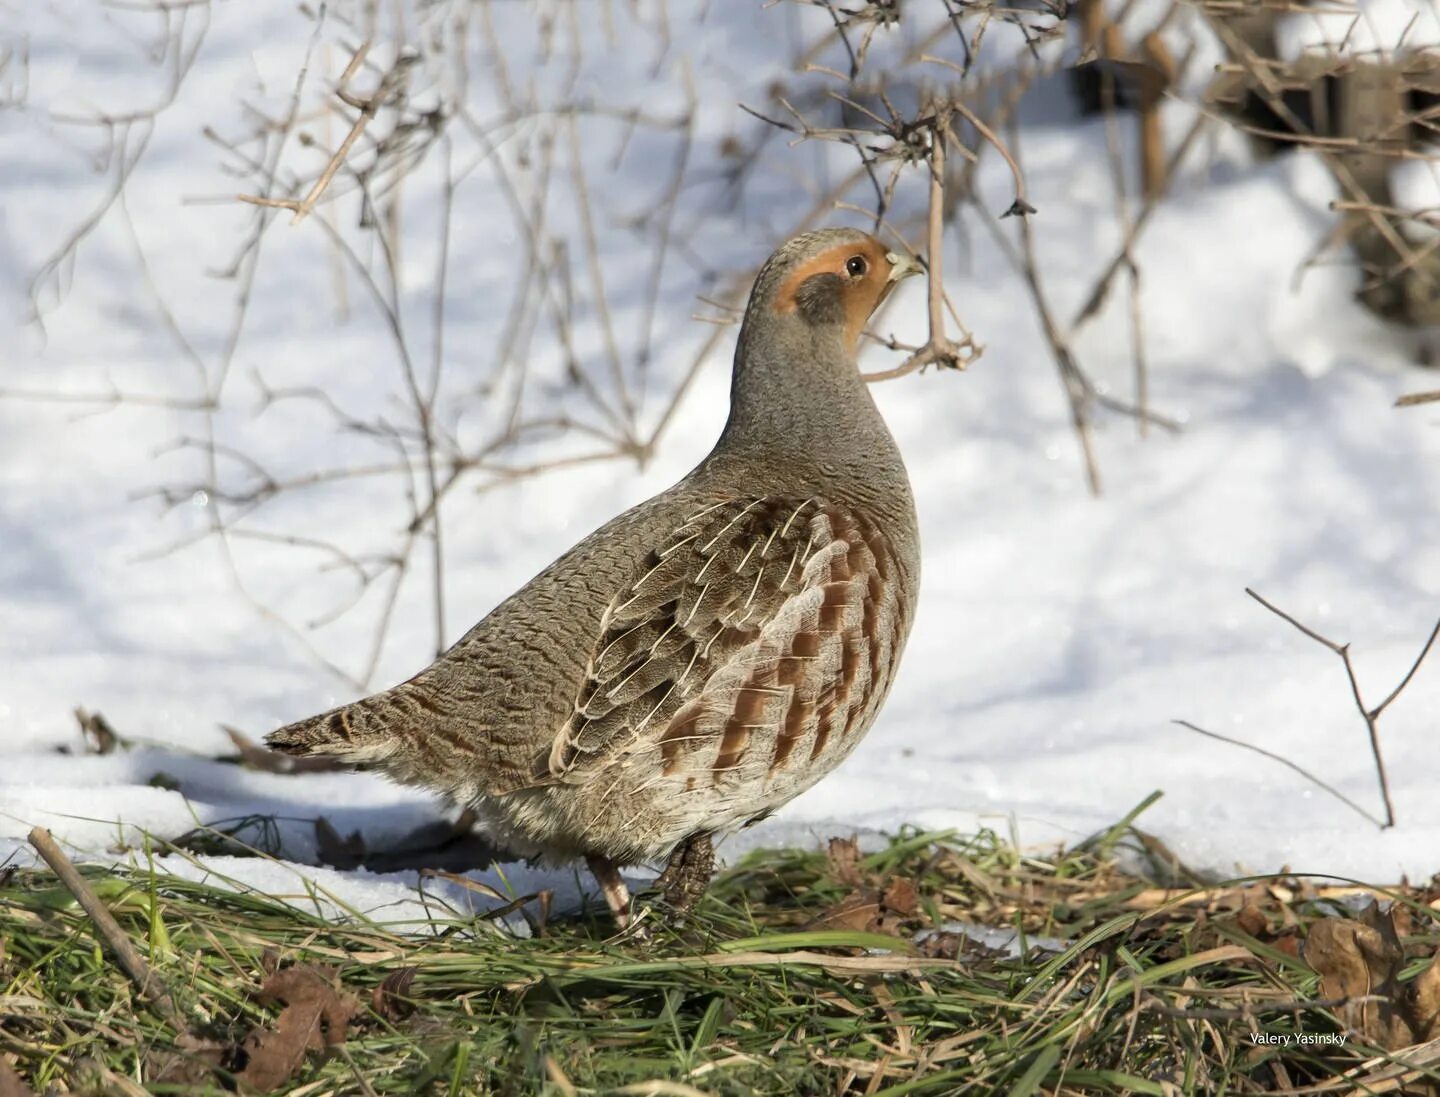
(316, 1016)
(1360, 960)
(1422, 1003)
(858, 911)
(335, 851)
(11, 1084)
(391, 999)
(843, 856)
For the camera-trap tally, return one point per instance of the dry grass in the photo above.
(800, 973)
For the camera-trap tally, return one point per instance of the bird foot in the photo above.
(617, 895)
(687, 874)
(686, 877)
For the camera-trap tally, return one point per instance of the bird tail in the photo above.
(365, 731)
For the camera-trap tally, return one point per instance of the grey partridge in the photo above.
(709, 654)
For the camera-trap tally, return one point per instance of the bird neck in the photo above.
(797, 397)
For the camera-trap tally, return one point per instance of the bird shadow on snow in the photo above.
(347, 832)
(218, 818)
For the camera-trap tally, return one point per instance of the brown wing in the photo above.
(760, 636)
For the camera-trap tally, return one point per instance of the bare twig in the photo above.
(1274, 757)
(1409, 674)
(1079, 390)
(149, 984)
(939, 349)
(564, 338)
(128, 133)
(367, 108)
(1021, 206)
(1371, 716)
(1133, 231)
(1123, 215)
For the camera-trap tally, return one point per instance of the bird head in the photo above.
(833, 278)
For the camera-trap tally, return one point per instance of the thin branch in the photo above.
(368, 108)
(1020, 207)
(1369, 715)
(1429, 643)
(1286, 762)
(1331, 644)
(1133, 232)
(1079, 390)
(149, 984)
(939, 349)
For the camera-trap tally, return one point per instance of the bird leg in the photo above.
(687, 873)
(617, 896)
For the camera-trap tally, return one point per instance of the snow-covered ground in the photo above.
(1059, 635)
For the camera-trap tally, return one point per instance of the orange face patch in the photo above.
(864, 274)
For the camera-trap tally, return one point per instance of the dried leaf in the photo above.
(943, 944)
(338, 852)
(391, 999)
(1429, 894)
(901, 897)
(11, 1084)
(99, 735)
(860, 910)
(1288, 943)
(843, 856)
(870, 910)
(1288, 919)
(1422, 1000)
(1360, 961)
(1403, 920)
(184, 1070)
(1252, 920)
(316, 1016)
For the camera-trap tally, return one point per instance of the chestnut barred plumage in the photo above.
(707, 655)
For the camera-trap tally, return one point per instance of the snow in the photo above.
(1059, 636)
(1415, 186)
(1374, 27)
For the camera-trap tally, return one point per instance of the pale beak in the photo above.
(902, 266)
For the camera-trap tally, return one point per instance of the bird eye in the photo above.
(856, 266)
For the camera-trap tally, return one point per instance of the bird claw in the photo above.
(687, 875)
